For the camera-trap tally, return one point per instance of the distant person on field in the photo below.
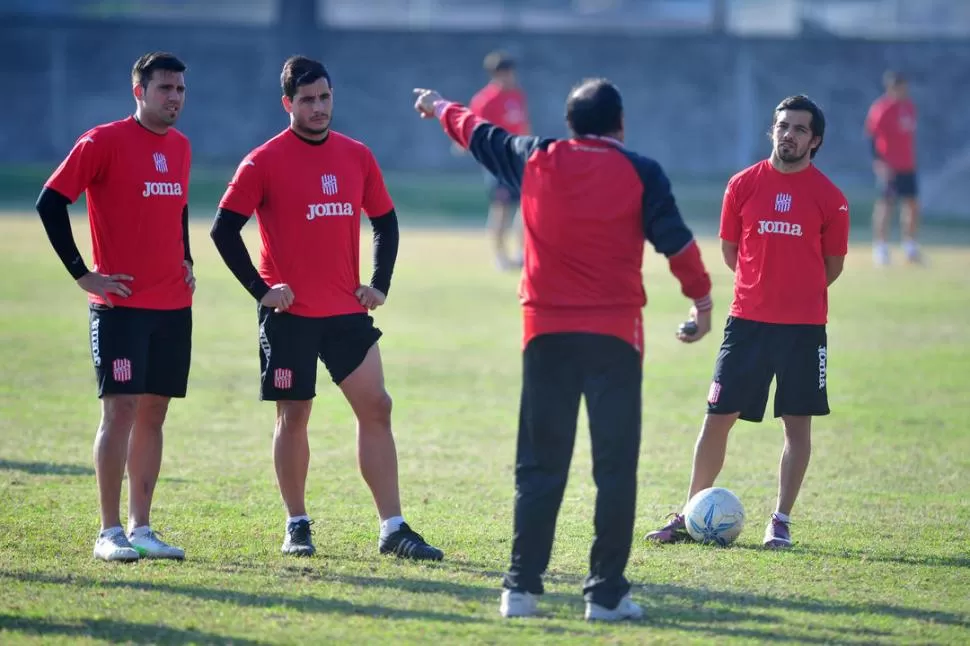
(308, 187)
(589, 205)
(891, 123)
(784, 234)
(135, 174)
(503, 103)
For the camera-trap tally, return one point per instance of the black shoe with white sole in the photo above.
(406, 543)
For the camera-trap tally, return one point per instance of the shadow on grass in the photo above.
(115, 631)
(681, 607)
(46, 468)
(701, 596)
(919, 560)
(302, 603)
(555, 606)
(668, 606)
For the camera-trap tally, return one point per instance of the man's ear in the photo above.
(287, 104)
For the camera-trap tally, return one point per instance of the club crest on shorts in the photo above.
(329, 183)
(121, 370)
(282, 378)
(714, 393)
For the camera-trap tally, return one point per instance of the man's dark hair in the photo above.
(594, 107)
(300, 70)
(892, 78)
(145, 66)
(498, 61)
(802, 103)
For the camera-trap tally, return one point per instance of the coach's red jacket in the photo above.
(588, 203)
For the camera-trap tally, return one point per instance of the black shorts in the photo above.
(900, 185)
(499, 191)
(753, 353)
(140, 351)
(289, 346)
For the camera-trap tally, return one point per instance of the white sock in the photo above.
(782, 517)
(111, 531)
(296, 519)
(910, 246)
(391, 525)
(143, 530)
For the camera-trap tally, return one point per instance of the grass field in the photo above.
(883, 549)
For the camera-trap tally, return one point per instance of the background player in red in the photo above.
(588, 205)
(135, 174)
(891, 123)
(307, 187)
(502, 102)
(784, 233)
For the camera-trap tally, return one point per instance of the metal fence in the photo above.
(787, 18)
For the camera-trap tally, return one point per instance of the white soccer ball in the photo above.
(714, 515)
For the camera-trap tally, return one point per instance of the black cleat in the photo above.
(297, 541)
(406, 543)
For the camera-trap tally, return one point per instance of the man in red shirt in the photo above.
(502, 102)
(135, 174)
(307, 187)
(891, 123)
(784, 233)
(588, 204)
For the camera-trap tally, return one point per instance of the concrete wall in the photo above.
(699, 104)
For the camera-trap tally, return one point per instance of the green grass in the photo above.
(881, 526)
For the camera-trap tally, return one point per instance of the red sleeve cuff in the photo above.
(457, 121)
(439, 107)
(704, 304)
(688, 267)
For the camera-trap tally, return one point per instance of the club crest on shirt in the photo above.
(783, 202)
(329, 183)
(161, 164)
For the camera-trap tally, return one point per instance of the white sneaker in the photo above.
(880, 255)
(913, 254)
(114, 547)
(518, 604)
(625, 610)
(150, 546)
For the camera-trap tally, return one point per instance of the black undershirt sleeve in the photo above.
(386, 239)
(185, 234)
(227, 235)
(52, 207)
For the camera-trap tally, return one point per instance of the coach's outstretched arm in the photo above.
(502, 154)
(665, 229)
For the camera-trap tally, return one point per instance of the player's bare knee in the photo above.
(118, 413)
(382, 405)
(376, 408)
(151, 412)
(798, 428)
(719, 423)
(292, 416)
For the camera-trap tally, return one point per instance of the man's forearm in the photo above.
(52, 207)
